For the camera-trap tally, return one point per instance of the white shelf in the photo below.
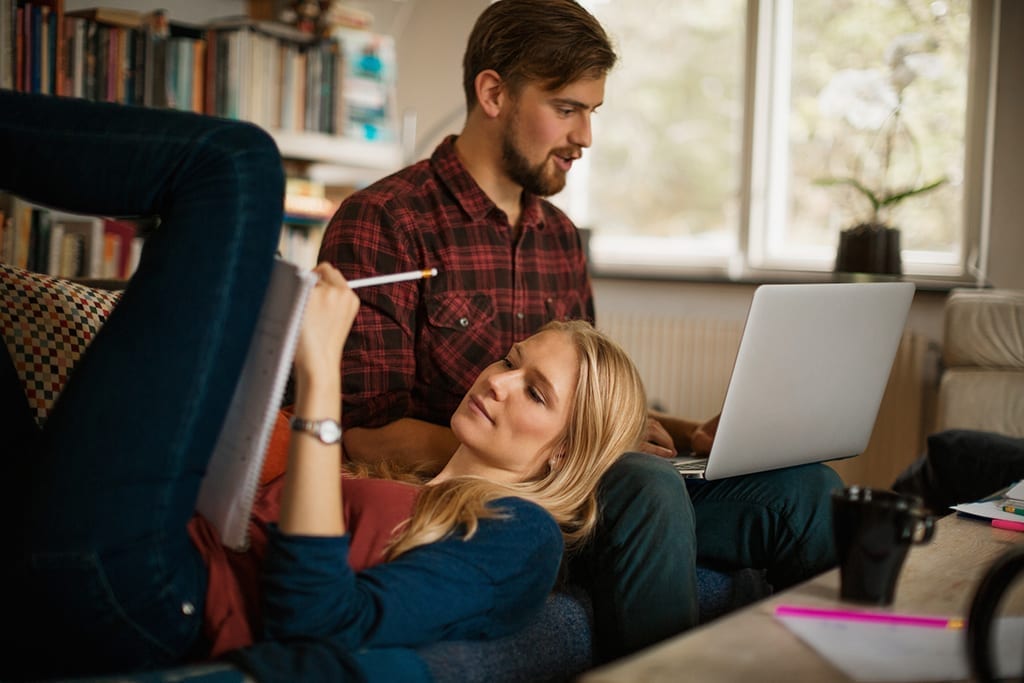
(339, 151)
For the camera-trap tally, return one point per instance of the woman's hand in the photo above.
(330, 310)
(311, 503)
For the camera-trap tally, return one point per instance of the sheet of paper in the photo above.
(991, 509)
(886, 652)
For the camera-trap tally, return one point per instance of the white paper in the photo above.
(990, 509)
(889, 652)
(229, 487)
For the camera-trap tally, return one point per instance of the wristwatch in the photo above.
(328, 431)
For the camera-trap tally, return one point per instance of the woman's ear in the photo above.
(491, 92)
(556, 459)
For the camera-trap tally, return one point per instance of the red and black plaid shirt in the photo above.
(416, 347)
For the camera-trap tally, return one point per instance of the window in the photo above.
(734, 132)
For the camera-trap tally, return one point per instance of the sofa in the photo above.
(982, 383)
(47, 323)
(977, 446)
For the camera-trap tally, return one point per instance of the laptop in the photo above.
(812, 365)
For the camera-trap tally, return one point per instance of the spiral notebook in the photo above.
(229, 487)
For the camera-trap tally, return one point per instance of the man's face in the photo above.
(546, 131)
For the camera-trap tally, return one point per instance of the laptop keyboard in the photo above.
(690, 466)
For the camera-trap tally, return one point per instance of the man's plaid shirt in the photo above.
(416, 347)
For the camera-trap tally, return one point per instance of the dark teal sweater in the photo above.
(323, 621)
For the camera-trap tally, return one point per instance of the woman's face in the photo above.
(514, 416)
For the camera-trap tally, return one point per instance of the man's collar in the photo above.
(468, 193)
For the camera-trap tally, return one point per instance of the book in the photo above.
(7, 43)
(39, 241)
(5, 236)
(54, 254)
(22, 226)
(118, 235)
(90, 244)
(71, 263)
(228, 489)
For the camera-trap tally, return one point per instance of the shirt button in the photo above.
(520, 315)
(188, 609)
(464, 321)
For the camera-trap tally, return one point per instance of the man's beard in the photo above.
(535, 179)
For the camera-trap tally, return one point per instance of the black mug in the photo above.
(874, 530)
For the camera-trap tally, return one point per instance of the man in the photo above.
(534, 74)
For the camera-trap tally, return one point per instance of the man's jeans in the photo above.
(656, 527)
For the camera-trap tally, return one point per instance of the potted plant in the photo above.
(872, 245)
(887, 171)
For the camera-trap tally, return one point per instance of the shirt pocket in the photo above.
(566, 305)
(459, 340)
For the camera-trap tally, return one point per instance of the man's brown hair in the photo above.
(548, 42)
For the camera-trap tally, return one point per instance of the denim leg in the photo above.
(780, 521)
(640, 567)
(115, 477)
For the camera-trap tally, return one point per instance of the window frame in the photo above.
(765, 146)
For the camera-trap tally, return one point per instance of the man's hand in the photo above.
(657, 441)
(704, 436)
(667, 435)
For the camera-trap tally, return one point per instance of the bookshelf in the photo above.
(346, 157)
(328, 101)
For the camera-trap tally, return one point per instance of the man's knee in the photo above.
(809, 491)
(643, 489)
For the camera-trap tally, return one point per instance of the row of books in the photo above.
(67, 245)
(307, 210)
(77, 246)
(300, 243)
(259, 71)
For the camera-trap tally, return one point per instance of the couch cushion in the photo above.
(47, 323)
(984, 328)
(983, 399)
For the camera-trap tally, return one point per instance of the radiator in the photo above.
(686, 362)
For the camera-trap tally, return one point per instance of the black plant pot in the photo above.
(869, 248)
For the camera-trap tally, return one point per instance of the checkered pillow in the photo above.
(47, 323)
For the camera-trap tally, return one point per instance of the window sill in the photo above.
(761, 277)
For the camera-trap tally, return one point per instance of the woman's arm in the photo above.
(311, 503)
(488, 586)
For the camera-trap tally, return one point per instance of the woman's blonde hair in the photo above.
(608, 417)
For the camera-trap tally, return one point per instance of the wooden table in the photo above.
(939, 579)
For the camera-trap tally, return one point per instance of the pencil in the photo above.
(873, 617)
(396, 277)
(1015, 507)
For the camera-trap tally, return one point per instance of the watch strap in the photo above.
(327, 430)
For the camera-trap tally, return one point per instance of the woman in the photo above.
(109, 580)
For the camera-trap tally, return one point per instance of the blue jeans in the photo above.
(104, 574)
(656, 527)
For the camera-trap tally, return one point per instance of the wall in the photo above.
(430, 46)
(1006, 249)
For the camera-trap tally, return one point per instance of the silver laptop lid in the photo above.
(809, 375)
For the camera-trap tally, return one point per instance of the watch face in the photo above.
(330, 431)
